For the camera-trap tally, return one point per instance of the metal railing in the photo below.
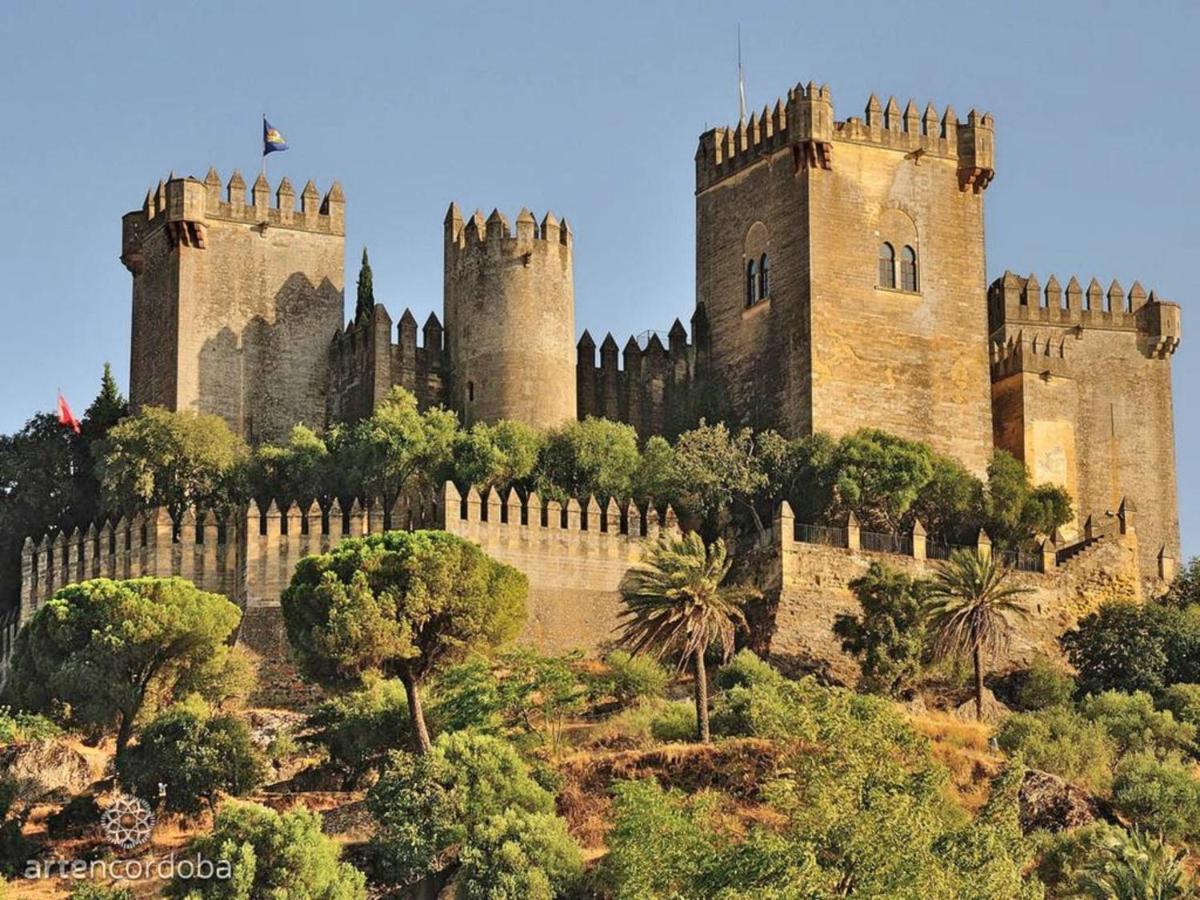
(821, 534)
(885, 543)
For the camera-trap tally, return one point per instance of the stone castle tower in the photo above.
(840, 266)
(234, 303)
(510, 318)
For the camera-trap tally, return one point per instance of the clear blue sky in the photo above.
(590, 110)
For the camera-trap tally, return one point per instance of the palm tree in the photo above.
(969, 608)
(1134, 868)
(675, 604)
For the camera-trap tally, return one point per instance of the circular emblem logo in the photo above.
(128, 822)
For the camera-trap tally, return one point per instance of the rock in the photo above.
(1052, 803)
(267, 724)
(46, 770)
(993, 709)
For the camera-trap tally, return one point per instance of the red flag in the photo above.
(65, 416)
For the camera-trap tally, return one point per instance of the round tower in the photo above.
(510, 319)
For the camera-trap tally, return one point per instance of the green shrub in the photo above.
(1062, 855)
(1183, 700)
(888, 636)
(1045, 683)
(79, 814)
(426, 806)
(746, 669)
(23, 727)
(1133, 722)
(89, 891)
(358, 729)
(272, 855)
(518, 855)
(674, 721)
(1162, 795)
(1061, 741)
(195, 754)
(1135, 647)
(633, 678)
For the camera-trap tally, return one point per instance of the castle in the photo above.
(840, 283)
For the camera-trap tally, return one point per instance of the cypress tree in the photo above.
(366, 291)
(109, 407)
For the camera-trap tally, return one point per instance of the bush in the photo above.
(674, 722)
(358, 729)
(633, 678)
(23, 727)
(1162, 795)
(426, 806)
(1045, 683)
(195, 754)
(888, 637)
(519, 855)
(272, 855)
(1135, 647)
(89, 891)
(746, 670)
(1061, 741)
(1133, 722)
(1062, 855)
(1183, 700)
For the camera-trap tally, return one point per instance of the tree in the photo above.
(102, 648)
(496, 456)
(969, 607)
(717, 469)
(1126, 646)
(399, 447)
(365, 304)
(878, 476)
(270, 855)
(195, 754)
(595, 457)
(170, 459)
(109, 407)
(677, 604)
(302, 470)
(1185, 588)
(889, 636)
(950, 504)
(402, 603)
(1015, 509)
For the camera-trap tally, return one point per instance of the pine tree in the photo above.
(109, 407)
(366, 291)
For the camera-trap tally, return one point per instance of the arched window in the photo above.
(751, 282)
(887, 265)
(908, 269)
(764, 278)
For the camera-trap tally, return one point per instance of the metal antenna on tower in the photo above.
(741, 80)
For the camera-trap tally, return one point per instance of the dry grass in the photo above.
(963, 748)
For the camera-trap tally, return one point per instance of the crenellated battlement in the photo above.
(804, 122)
(495, 231)
(1016, 302)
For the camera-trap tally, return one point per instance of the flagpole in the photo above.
(262, 147)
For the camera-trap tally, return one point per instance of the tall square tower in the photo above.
(840, 271)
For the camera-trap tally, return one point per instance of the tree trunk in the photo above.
(416, 714)
(702, 731)
(124, 732)
(978, 686)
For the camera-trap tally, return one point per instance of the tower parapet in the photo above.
(805, 122)
(510, 321)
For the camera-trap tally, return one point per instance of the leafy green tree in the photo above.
(496, 456)
(970, 607)
(169, 459)
(657, 477)
(103, 647)
(1162, 795)
(1185, 587)
(364, 305)
(1058, 739)
(950, 504)
(595, 456)
(717, 469)
(1134, 866)
(403, 603)
(633, 678)
(519, 855)
(400, 448)
(1015, 509)
(1126, 646)
(1183, 701)
(271, 855)
(889, 636)
(197, 755)
(431, 809)
(800, 471)
(878, 476)
(1043, 684)
(677, 604)
(358, 728)
(301, 470)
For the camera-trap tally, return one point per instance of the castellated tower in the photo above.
(234, 304)
(510, 318)
(870, 311)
